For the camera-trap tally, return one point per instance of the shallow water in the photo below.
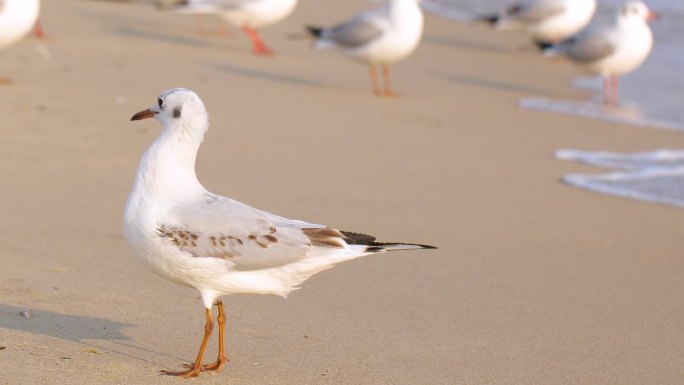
(652, 93)
(656, 176)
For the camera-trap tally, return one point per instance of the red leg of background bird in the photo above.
(222, 357)
(197, 367)
(259, 47)
(374, 79)
(387, 77)
(38, 30)
(616, 90)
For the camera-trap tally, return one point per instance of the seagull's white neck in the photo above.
(167, 169)
(631, 21)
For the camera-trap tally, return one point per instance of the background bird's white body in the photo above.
(17, 19)
(400, 26)
(550, 20)
(254, 13)
(612, 50)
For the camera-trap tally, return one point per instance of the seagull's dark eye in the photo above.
(161, 102)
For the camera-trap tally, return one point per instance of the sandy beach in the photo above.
(534, 282)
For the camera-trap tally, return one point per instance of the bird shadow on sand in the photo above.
(63, 326)
(277, 77)
(79, 329)
(489, 83)
(159, 37)
(450, 42)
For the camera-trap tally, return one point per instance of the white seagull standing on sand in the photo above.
(612, 50)
(546, 20)
(217, 245)
(246, 14)
(17, 19)
(379, 37)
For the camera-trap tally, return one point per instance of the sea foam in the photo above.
(656, 176)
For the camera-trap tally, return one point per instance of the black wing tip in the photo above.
(489, 19)
(542, 45)
(428, 247)
(314, 31)
(380, 247)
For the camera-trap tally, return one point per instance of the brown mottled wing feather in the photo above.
(246, 237)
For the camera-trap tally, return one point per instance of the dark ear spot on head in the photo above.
(177, 112)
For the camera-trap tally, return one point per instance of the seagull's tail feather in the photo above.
(371, 246)
(314, 31)
(170, 5)
(543, 45)
(489, 19)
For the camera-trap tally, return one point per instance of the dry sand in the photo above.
(534, 282)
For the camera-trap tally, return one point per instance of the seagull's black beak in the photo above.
(144, 114)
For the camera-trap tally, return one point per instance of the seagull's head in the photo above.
(178, 109)
(638, 9)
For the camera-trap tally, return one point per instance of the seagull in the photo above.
(217, 245)
(611, 50)
(17, 19)
(246, 14)
(547, 21)
(379, 37)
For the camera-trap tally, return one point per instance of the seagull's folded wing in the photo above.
(535, 11)
(355, 33)
(249, 238)
(593, 45)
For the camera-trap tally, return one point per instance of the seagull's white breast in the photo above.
(634, 42)
(402, 32)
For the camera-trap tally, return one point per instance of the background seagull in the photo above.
(246, 14)
(379, 37)
(17, 19)
(611, 50)
(217, 245)
(546, 20)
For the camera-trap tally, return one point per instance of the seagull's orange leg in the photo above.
(38, 30)
(387, 77)
(197, 367)
(259, 47)
(374, 79)
(222, 357)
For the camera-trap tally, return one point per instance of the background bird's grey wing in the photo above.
(589, 47)
(535, 10)
(245, 237)
(355, 33)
